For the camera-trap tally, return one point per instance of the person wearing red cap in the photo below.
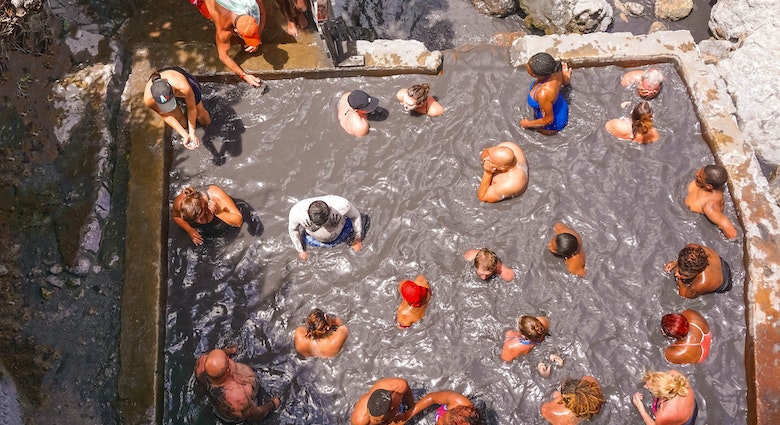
(231, 387)
(353, 110)
(237, 18)
(415, 296)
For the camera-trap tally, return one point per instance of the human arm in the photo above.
(223, 49)
(450, 399)
(254, 412)
(295, 230)
(505, 272)
(565, 73)
(545, 97)
(670, 266)
(471, 254)
(192, 114)
(687, 291)
(715, 214)
(640, 406)
(223, 206)
(488, 192)
(357, 226)
(197, 239)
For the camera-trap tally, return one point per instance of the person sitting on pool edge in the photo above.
(706, 196)
(505, 172)
(323, 336)
(575, 401)
(648, 82)
(700, 270)
(417, 99)
(567, 244)
(454, 408)
(488, 265)
(231, 387)
(353, 110)
(639, 129)
(164, 91)
(324, 221)
(692, 337)
(204, 214)
(551, 112)
(388, 401)
(414, 300)
(531, 332)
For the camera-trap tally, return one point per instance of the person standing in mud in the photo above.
(295, 13)
(505, 172)
(242, 19)
(324, 221)
(706, 196)
(353, 110)
(167, 90)
(205, 213)
(551, 112)
(231, 387)
(700, 270)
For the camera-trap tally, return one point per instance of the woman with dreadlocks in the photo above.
(575, 401)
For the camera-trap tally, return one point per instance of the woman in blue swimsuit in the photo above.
(551, 111)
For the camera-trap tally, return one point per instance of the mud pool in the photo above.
(416, 179)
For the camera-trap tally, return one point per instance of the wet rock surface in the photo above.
(567, 16)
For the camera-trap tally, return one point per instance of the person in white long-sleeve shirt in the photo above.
(324, 221)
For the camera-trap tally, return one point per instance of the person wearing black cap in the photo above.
(382, 403)
(169, 87)
(353, 111)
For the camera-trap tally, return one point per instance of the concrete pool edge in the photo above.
(140, 378)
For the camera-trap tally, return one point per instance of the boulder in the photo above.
(567, 16)
(674, 10)
(498, 8)
(736, 19)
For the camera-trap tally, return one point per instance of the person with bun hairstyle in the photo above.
(414, 300)
(639, 129)
(674, 402)
(205, 213)
(551, 112)
(322, 336)
(531, 332)
(692, 337)
(575, 401)
(417, 99)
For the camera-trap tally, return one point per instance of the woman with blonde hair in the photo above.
(640, 129)
(531, 332)
(417, 99)
(674, 402)
(204, 213)
(575, 401)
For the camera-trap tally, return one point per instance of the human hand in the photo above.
(670, 266)
(357, 245)
(637, 400)
(253, 81)
(566, 70)
(251, 49)
(191, 141)
(231, 349)
(197, 239)
(303, 255)
(525, 123)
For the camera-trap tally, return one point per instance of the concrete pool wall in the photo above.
(140, 379)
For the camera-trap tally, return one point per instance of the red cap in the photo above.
(413, 293)
(247, 28)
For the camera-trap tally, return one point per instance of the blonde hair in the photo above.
(665, 385)
(418, 93)
(192, 205)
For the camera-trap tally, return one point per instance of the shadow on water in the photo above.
(230, 128)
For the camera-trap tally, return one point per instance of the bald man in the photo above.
(505, 172)
(231, 387)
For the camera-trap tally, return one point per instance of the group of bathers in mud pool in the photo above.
(326, 221)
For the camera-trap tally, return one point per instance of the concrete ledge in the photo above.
(759, 215)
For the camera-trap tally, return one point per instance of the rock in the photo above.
(673, 10)
(56, 269)
(736, 19)
(46, 293)
(712, 50)
(73, 282)
(657, 26)
(567, 16)
(55, 281)
(3, 270)
(498, 8)
(774, 185)
(635, 9)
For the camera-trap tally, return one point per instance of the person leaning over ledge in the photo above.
(324, 221)
(353, 110)
(706, 195)
(505, 172)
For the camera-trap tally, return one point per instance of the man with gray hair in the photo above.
(648, 82)
(324, 221)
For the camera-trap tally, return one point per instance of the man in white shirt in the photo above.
(324, 221)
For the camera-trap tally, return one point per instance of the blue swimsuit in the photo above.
(560, 111)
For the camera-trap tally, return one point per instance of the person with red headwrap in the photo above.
(415, 296)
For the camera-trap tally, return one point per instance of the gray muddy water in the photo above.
(416, 179)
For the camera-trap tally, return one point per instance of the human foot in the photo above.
(543, 369)
(292, 29)
(556, 359)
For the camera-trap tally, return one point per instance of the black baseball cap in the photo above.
(360, 100)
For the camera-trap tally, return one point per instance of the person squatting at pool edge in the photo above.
(231, 387)
(638, 129)
(170, 87)
(244, 19)
(322, 336)
(648, 82)
(353, 110)
(417, 99)
(324, 221)
(504, 172)
(692, 336)
(487, 264)
(295, 13)
(700, 270)
(415, 296)
(706, 195)
(204, 214)
(389, 400)
(575, 401)
(567, 244)
(551, 112)
(531, 332)
(673, 399)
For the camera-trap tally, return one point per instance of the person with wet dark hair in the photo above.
(648, 82)
(692, 336)
(232, 387)
(205, 213)
(639, 129)
(322, 336)
(567, 244)
(551, 112)
(454, 408)
(706, 195)
(700, 270)
(388, 401)
(531, 332)
(487, 264)
(417, 99)
(575, 401)
(167, 92)
(325, 221)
